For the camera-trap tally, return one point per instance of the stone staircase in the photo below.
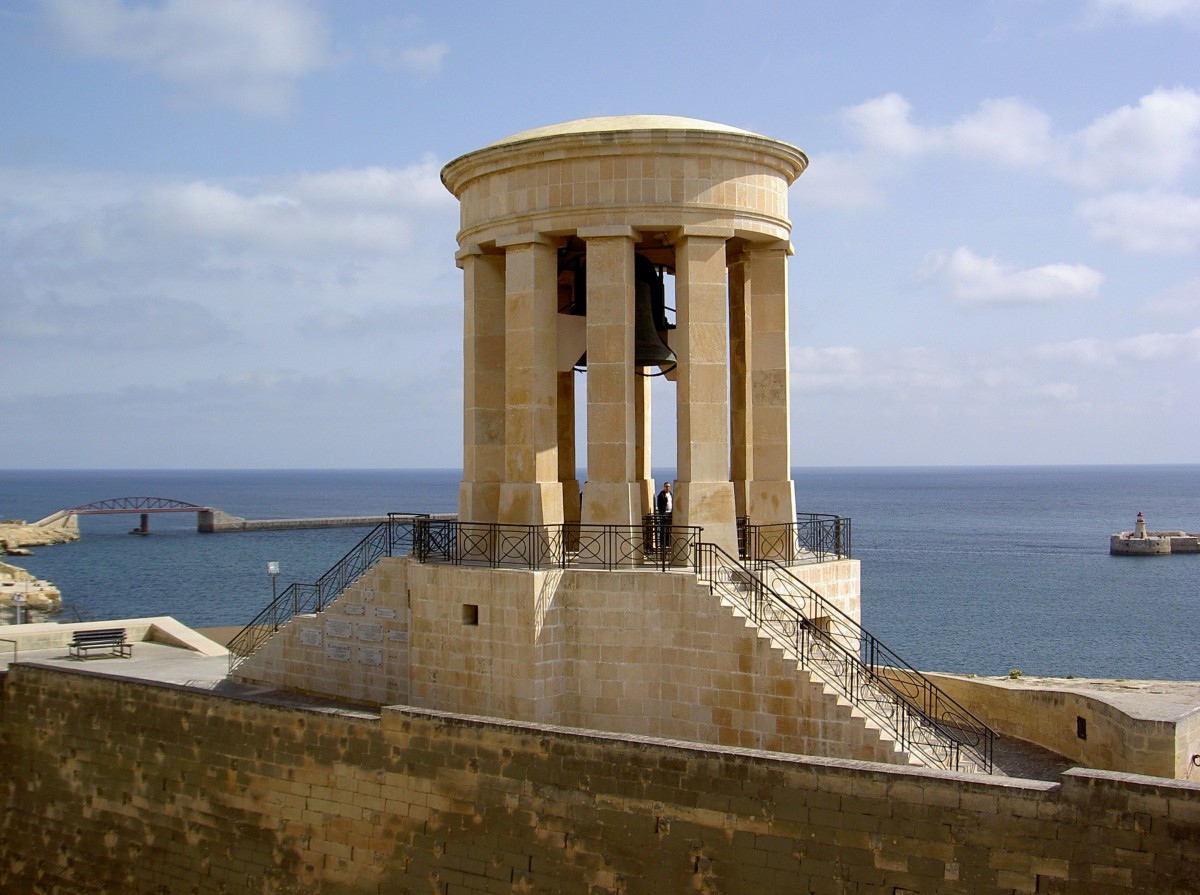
(925, 725)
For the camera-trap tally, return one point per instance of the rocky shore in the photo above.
(17, 533)
(16, 536)
(38, 594)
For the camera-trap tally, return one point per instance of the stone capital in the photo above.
(607, 231)
(524, 239)
(704, 231)
(765, 248)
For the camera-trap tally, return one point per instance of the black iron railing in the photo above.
(919, 716)
(391, 538)
(923, 720)
(497, 545)
(813, 537)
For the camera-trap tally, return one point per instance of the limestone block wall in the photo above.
(356, 650)
(636, 652)
(113, 785)
(489, 641)
(1049, 717)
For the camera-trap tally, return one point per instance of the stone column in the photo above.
(741, 465)
(610, 495)
(642, 472)
(531, 493)
(704, 493)
(483, 388)
(566, 446)
(772, 493)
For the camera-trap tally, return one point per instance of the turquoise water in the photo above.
(964, 569)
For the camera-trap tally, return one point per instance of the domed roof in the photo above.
(613, 123)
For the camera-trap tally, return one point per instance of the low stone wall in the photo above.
(1050, 717)
(112, 785)
(158, 629)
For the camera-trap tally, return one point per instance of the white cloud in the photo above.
(883, 123)
(1140, 349)
(1149, 11)
(1150, 222)
(1153, 142)
(902, 373)
(1182, 298)
(74, 218)
(416, 186)
(1002, 130)
(839, 368)
(843, 180)
(1057, 391)
(975, 280)
(426, 60)
(128, 324)
(244, 55)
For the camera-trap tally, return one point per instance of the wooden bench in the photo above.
(111, 639)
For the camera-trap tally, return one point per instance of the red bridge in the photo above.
(208, 519)
(144, 506)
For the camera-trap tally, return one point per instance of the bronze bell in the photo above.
(649, 315)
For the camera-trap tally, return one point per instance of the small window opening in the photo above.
(1081, 727)
(470, 614)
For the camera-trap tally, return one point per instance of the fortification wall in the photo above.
(111, 785)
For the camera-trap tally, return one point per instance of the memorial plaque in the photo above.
(373, 633)
(368, 594)
(398, 636)
(338, 629)
(354, 610)
(337, 653)
(383, 612)
(369, 655)
(310, 637)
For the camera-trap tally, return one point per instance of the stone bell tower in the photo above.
(567, 233)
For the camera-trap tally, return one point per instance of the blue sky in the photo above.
(223, 241)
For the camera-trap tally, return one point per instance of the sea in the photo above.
(981, 570)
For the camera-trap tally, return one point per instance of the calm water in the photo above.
(963, 569)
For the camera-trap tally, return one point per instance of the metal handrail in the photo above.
(385, 539)
(654, 544)
(905, 680)
(922, 718)
(813, 537)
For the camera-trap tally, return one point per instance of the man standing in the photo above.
(665, 505)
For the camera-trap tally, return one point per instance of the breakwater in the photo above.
(215, 521)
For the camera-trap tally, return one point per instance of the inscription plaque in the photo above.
(369, 655)
(373, 633)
